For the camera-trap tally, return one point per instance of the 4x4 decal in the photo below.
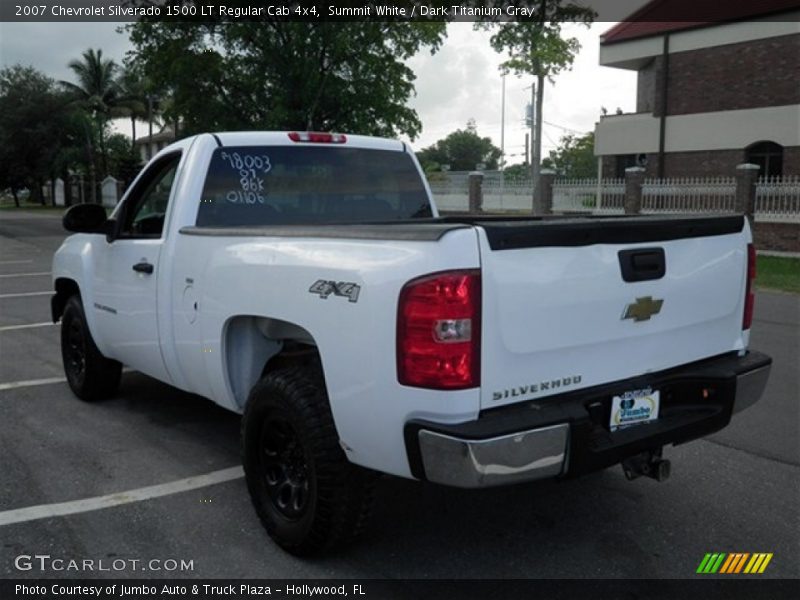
(325, 288)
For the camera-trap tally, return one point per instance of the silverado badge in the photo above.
(642, 309)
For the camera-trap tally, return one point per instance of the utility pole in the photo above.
(503, 125)
(527, 147)
(503, 141)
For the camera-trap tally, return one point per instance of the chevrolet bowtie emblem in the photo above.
(642, 309)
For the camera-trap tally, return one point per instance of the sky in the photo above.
(460, 82)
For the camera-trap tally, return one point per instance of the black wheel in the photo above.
(306, 493)
(90, 375)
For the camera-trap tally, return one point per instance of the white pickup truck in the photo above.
(307, 281)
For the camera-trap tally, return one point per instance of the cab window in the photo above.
(146, 209)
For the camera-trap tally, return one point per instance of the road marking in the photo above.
(46, 511)
(48, 293)
(38, 274)
(29, 326)
(15, 262)
(13, 385)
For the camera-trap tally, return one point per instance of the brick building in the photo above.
(710, 95)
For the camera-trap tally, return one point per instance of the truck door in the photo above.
(127, 272)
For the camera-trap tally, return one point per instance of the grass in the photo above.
(31, 206)
(778, 273)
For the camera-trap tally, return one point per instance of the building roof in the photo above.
(665, 16)
(165, 135)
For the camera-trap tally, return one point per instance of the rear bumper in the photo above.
(568, 434)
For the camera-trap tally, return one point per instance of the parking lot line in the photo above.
(28, 326)
(45, 511)
(13, 385)
(37, 274)
(47, 293)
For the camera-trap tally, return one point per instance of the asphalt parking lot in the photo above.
(737, 491)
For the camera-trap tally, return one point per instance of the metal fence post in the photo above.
(475, 192)
(634, 177)
(746, 179)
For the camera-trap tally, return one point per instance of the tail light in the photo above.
(315, 137)
(749, 294)
(438, 331)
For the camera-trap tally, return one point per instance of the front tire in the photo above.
(309, 497)
(90, 375)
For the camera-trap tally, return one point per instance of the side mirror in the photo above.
(85, 218)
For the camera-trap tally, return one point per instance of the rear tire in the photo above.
(309, 497)
(91, 376)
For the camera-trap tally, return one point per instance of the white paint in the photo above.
(633, 54)
(617, 134)
(109, 191)
(28, 326)
(24, 295)
(721, 130)
(59, 191)
(734, 129)
(15, 385)
(46, 511)
(37, 274)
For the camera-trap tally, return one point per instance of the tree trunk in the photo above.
(133, 132)
(16, 197)
(103, 156)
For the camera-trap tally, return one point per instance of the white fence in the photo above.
(689, 194)
(777, 198)
(585, 195)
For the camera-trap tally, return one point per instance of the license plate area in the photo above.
(634, 407)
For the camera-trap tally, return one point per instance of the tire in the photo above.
(90, 375)
(309, 497)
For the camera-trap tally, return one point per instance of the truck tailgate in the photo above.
(559, 315)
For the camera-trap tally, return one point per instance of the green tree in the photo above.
(344, 76)
(517, 172)
(133, 97)
(462, 150)
(574, 157)
(32, 128)
(123, 161)
(536, 47)
(98, 94)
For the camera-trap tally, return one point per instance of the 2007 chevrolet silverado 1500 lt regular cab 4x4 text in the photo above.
(307, 281)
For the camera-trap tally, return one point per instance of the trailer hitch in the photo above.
(650, 464)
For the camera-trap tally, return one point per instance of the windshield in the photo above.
(302, 185)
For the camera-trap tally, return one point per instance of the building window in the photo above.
(768, 156)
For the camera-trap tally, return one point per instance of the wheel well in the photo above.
(254, 346)
(65, 289)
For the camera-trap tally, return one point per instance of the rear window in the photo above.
(304, 185)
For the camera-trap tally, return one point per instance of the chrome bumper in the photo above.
(749, 387)
(482, 453)
(522, 456)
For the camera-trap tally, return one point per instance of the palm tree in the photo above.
(133, 97)
(98, 94)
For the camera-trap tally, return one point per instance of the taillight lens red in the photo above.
(749, 294)
(438, 331)
(316, 137)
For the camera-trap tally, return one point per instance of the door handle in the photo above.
(642, 264)
(143, 267)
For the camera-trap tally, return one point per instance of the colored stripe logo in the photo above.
(734, 563)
